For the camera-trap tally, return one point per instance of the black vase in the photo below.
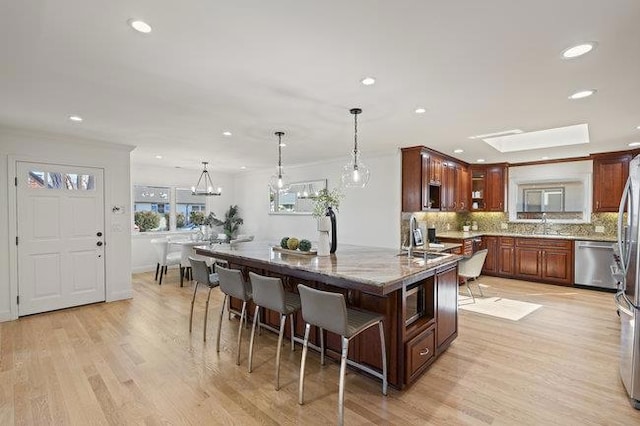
(334, 237)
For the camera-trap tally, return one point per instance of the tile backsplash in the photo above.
(496, 222)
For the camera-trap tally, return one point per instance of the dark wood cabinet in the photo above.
(488, 188)
(546, 260)
(490, 266)
(449, 183)
(435, 169)
(506, 256)
(447, 307)
(610, 174)
(463, 188)
(421, 180)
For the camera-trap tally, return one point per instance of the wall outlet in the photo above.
(504, 225)
(600, 229)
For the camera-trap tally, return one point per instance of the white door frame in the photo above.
(13, 220)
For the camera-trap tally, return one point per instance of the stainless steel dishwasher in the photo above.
(593, 260)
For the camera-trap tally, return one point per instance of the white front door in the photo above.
(60, 236)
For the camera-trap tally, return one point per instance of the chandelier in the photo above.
(278, 182)
(355, 174)
(205, 185)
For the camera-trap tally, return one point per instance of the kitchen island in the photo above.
(418, 298)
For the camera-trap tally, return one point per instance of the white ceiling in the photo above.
(257, 66)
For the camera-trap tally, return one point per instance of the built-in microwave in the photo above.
(415, 303)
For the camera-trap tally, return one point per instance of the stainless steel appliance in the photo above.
(592, 264)
(627, 298)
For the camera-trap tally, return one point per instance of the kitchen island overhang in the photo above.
(421, 290)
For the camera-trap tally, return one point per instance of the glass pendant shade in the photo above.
(355, 174)
(205, 186)
(278, 181)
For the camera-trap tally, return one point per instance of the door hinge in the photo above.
(16, 180)
(18, 300)
(16, 240)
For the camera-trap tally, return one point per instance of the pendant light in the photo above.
(205, 185)
(278, 182)
(355, 174)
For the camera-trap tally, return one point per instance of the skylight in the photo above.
(549, 138)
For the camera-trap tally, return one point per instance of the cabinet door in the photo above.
(463, 188)
(557, 266)
(412, 179)
(528, 263)
(494, 191)
(447, 316)
(449, 186)
(609, 178)
(506, 257)
(435, 170)
(491, 262)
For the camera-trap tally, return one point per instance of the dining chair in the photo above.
(202, 275)
(328, 311)
(471, 268)
(269, 293)
(164, 257)
(233, 285)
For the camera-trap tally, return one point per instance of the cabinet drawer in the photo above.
(507, 241)
(544, 243)
(419, 351)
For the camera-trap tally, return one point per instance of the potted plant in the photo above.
(231, 222)
(466, 227)
(323, 210)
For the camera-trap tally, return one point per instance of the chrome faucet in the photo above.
(412, 227)
(545, 228)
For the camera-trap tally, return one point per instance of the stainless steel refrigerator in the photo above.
(625, 271)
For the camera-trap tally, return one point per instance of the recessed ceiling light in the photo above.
(243, 167)
(226, 133)
(75, 118)
(420, 110)
(583, 94)
(579, 50)
(140, 26)
(458, 151)
(159, 157)
(368, 81)
(638, 127)
(544, 158)
(634, 144)
(282, 144)
(480, 160)
(491, 135)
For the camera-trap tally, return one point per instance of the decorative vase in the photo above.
(324, 244)
(334, 232)
(466, 228)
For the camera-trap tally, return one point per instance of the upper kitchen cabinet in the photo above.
(421, 179)
(488, 185)
(456, 184)
(610, 173)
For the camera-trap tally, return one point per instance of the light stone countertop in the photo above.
(478, 234)
(373, 270)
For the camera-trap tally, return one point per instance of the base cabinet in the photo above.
(447, 311)
(419, 353)
(533, 259)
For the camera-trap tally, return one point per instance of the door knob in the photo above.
(99, 234)
(99, 243)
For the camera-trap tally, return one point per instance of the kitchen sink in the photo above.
(419, 254)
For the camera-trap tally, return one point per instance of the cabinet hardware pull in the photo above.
(424, 352)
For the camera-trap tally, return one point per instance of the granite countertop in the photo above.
(373, 270)
(477, 234)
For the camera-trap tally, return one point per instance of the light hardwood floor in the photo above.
(134, 362)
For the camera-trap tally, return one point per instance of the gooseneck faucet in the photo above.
(544, 224)
(412, 227)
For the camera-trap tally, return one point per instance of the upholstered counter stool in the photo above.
(201, 275)
(328, 311)
(233, 285)
(268, 293)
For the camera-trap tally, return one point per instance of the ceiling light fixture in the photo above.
(579, 50)
(458, 151)
(634, 144)
(491, 135)
(368, 81)
(205, 185)
(159, 157)
(355, 174)
(226, 133)
(544, 158)
(243, 167)
(480, 160)
(278, 182)
(582, 94)
(140, 26)
(75, 118)
(638, 127)
(421, 110)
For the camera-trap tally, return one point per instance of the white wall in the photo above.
(368, 216)
(25, 145)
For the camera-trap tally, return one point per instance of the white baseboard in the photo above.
(120, 295)
(5, 316)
